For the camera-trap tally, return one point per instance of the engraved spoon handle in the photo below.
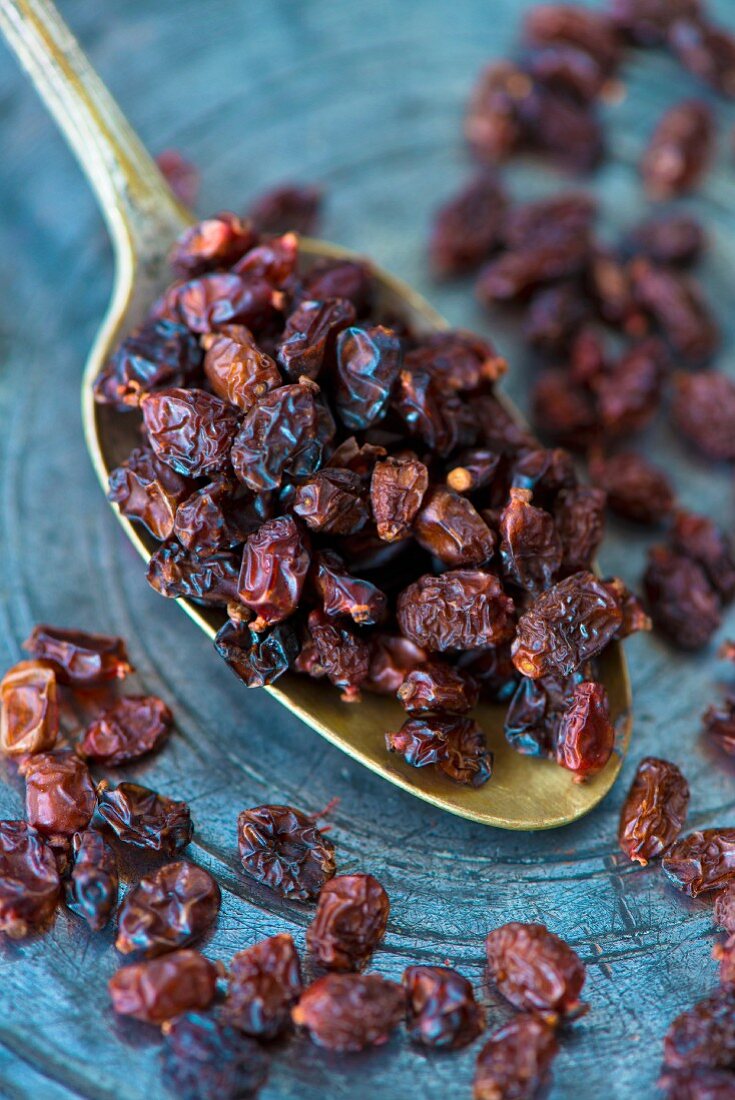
(134, 198)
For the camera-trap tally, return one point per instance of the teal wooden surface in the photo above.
(365, 98)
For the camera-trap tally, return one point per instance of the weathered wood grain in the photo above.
(364, 97)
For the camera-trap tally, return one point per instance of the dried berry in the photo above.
(634, 487)
(654, 810)
(347, 1012)
(214, 242)
(706, 51)
(91, 890)
(283, 848)
(457, 745)
(448, 526)
(678, 307)
(205, 1059)
(349, 923)
(60, 795)
(147, 490)
(457, 610)
(169, 909)
(493, 125)
(699, 538)
(566, 626)
(530, 547)
(274, 566)
(29, 717)
(433, 413)
(475, 469)
(236, 369)
(295, 206)
(591, 31)
(264, 983)
(586, 737)
(703, 1037)
(701, 861)
(704, 412)
(279, 437)
(391, 659)
(579, 515)
(159, 989)
(515, 1062)
(160, 353)
(441, 1010)
(343, 594)
(130, 728)
(675, 238)
(206, 522)
(29, 879)
(719, 724)
(350, 279)
(682, 602)
(466, 228)
(533, 718)
(397, 489)
(190, 430)
(257, 657)
(332, 501)
(309, 340)
(680, 150)
(143, 818)
(565, 411)
(438, 687)
(342, 654)
(368, 362)
(724, 908)
(698, 1084)
(457, 361)
(175, 572)
(535, 970)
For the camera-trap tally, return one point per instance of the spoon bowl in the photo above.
(144, 218)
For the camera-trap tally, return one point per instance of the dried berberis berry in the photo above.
(704, 412)
(206, 522)
(475, 469)
(530, 547)
(460, 609)
(142, 817)
(675, 238)
(565, 412)
(699, 538)
(214, 242)
(579, 515)
(567, 625)
(466, 228)
(348, 1012)
(441, 1010)
(264, 982)
(458, 361)
(130, 728)
(295, 206)
(175, 572)
(682, 602)
(332, 501)
(535, 712)
(341, 653)
(60, 794)
(190, 430)
(436, 686)
(257, 657)
(724, 908)
(706, 51)
(159, 989)
(80, 659)
(274, 566)
(634, 487)
(680, 150)
(719, 724)
(283, 848)
(147, 490)
(586, 737)
(397, 489)
(554, 316)
(349, 923)
(703, 1037)
(493, 125)
(29, 718)
(350, 279)
(309, 340)
(455, 744)
(279, 437)
(448, 526)
(343, 594)
(515, 1062)
(701, 861)
(91, 891)
(236, 369)
(392, 657)
(204, 1059)
(654, 810)
(160, 353)
(678, 307)
(29, 879)
(171, 908)
(536, 970)
(368, 363)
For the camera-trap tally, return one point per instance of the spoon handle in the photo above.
(136, 201)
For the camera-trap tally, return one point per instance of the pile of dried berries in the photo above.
(359, 501)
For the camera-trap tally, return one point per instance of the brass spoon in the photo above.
(144, 218)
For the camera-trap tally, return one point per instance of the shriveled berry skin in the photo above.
(257, 657)
(132, 727)
(274, 566)
(214, 242)
(701, 861)
(459, 609)
(279, 437)
(29, 879)
(704, 412)
(348, 1012)
(143, 818)
(147, 490)
(60, 795)
(236, 369)
(441, 1010)
(701, 539)
(29, 718)
(368, 362)
(703, 1037)
(683, 604)
(80, 659)
(341, 653)
(160, 353)
(454, 743)
(397, 489)
(350, 921)
(283, 848)
(168, 909)
(175, 572)
(586, 737)
(190, 430)
(535, 970)
(295, 206)
(530, 548)
(567, 625)
(515, 1062)
(264, 982)
(438, 687)
(160, 989)
(654, 810)
(92, 887)
(448, 526)
(343, 594)
(635, 488)
(205, 1059)
(309, 338)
